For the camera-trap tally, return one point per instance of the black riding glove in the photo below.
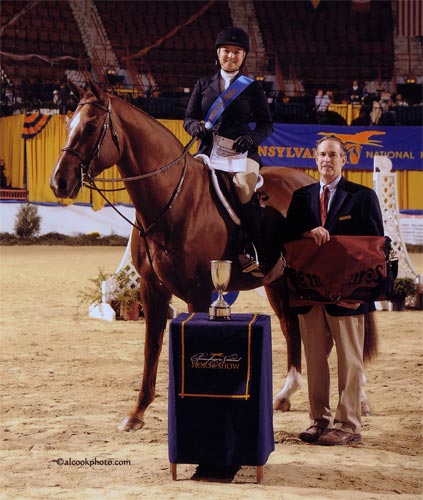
(243, 144)
(199, 131)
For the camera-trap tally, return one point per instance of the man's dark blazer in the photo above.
(250, 106)
(354, 211)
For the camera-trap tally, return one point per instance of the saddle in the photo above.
(273, 228)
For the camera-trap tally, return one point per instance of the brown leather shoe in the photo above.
(336, 436)
(312, 434)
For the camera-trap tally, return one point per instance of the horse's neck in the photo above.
(147, 147)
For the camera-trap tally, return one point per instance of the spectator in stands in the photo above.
(400, 101)
(355, 93)
(245, 104)
(37, 93)
(363, 119)
(56, 97)
(385, 101)
(321, 101)
(3, 179)
(65, 98)
(386, 106)
(376, 112)
(26, 90)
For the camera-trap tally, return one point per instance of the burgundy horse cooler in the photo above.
(346, 268)
(220, 391)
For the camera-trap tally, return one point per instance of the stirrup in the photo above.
(250, 263)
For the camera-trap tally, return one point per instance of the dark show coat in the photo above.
(250, 106)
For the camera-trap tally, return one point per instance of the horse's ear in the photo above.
(76, 90)
(96, 90)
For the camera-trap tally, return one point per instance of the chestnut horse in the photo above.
(180, 223)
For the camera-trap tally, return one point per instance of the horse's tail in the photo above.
(370, 337)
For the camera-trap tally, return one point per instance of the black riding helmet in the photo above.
(233, 36)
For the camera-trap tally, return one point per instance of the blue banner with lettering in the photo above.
(294, 145)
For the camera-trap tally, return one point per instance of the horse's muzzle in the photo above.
(64, 186)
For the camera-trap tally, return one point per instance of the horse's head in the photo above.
(92, 143)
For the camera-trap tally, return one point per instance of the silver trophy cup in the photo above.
(221, 274)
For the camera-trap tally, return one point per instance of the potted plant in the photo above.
(128, 296)
(125, 294)
(402, 288)
(93, 293)
(415, 301)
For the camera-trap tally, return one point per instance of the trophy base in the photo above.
(217, 313)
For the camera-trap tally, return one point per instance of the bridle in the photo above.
(87, 180)
(87, 159)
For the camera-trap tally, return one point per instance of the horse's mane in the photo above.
(145, 116)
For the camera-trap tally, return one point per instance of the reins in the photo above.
(154, 172)
(143, 232)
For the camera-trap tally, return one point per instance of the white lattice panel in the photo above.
(110, 288)
(126, 265)
(385, 185)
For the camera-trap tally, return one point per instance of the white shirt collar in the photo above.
(225, 74)
(332, 185)
(227, 77)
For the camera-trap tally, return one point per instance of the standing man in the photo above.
(333, 206)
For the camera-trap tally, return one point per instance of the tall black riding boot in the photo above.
(251, 220)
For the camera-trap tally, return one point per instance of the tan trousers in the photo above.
(245, 182)
(319, 331)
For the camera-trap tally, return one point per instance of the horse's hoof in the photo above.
(130, 424)
(282, 404)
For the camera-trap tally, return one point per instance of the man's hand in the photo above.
(320, 235)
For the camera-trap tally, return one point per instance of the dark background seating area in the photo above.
(330, 46)
(327, 47)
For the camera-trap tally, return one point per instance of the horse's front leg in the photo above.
(155, 300)
(290, 328)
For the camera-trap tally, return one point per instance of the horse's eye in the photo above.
(90, 128)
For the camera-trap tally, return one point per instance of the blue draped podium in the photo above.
(220, 390)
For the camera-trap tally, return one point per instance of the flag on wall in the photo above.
(34, 124)
(410, 18)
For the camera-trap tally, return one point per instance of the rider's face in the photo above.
(230, 57)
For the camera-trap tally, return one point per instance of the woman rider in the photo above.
(248, 106)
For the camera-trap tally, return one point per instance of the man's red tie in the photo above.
(324, 198)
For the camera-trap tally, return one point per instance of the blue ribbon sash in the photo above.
(225, 98)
